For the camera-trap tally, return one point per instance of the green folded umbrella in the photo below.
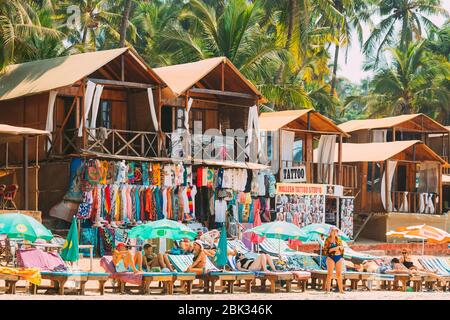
(70, 251)
(221, 256)
(20, 226)
(163, 228)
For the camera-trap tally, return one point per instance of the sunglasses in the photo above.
(404, 252)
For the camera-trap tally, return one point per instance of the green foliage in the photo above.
(288, 48)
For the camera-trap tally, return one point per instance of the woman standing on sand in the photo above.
(334, 251)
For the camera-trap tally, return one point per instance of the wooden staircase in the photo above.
(359, 223)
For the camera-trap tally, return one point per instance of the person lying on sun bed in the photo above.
(406, 260)
(199, 264)
(152, 260)
(250, 264)
(124, 261)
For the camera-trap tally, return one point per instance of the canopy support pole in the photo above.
(25, 173)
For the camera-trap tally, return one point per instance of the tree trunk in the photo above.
(291, 21)
(335, 65)
(124, 23)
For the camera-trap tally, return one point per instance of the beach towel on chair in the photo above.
(129, 277)
(36, 258)
(30, 274)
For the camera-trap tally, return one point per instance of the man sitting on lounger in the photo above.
(250, 264)
(152, 260)
(124, 261)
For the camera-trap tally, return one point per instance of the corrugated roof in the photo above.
(271, 121)
(381, 151)
(49, 74)
(389, 122)
(181, 77)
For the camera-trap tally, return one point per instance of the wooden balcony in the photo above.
(106, 141)
(415, 202)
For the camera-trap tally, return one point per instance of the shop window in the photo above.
(374, 185)
(104, 117)
(298, 151)
(401, 178)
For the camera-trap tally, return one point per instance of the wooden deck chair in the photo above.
(59, 279)
(212, 274)
(274, 278)
(10, 282)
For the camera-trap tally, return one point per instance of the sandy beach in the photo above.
(308, 295)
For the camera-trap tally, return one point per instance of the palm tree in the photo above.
(153, 20)
(18, 24)
(99, 23)
(124, 22)
(414, 83)
(354, 15)
(410, 15)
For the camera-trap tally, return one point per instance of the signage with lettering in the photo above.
(301, 188)
(293, 174)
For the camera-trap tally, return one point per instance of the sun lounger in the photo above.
(60, 278)
(10, 282)
(273, 277)
(439, 266)
(53, 268)
(143, 280)
(238, 245)
(212, 274)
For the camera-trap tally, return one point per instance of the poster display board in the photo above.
(306, 201)
(346, 215)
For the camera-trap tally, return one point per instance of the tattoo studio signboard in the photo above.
(293, 174)
(301, 189)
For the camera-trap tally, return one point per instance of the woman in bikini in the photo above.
(199, 264)
(250, 264)
(334, 250)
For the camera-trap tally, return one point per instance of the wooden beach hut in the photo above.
(399, 182)
(207, 98)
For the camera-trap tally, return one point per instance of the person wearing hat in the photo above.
(155, 261)
(124, 261)
(199, 264)
(334, 251)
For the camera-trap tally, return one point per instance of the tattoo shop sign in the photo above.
(301, 189)
(294, 174)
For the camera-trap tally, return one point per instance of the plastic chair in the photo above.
(9, 195)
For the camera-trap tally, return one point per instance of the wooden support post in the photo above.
(393, 134)
(340, 160)
(25, 173)
(223, 77)
(387, 186)
(308, 123)
(36, 193)
(440, 188)
(160, 136)
(122, 67)
(7, 155)
(83, 108)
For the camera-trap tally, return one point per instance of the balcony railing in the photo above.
(415, 202)
(107, 141)
(208, 147)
